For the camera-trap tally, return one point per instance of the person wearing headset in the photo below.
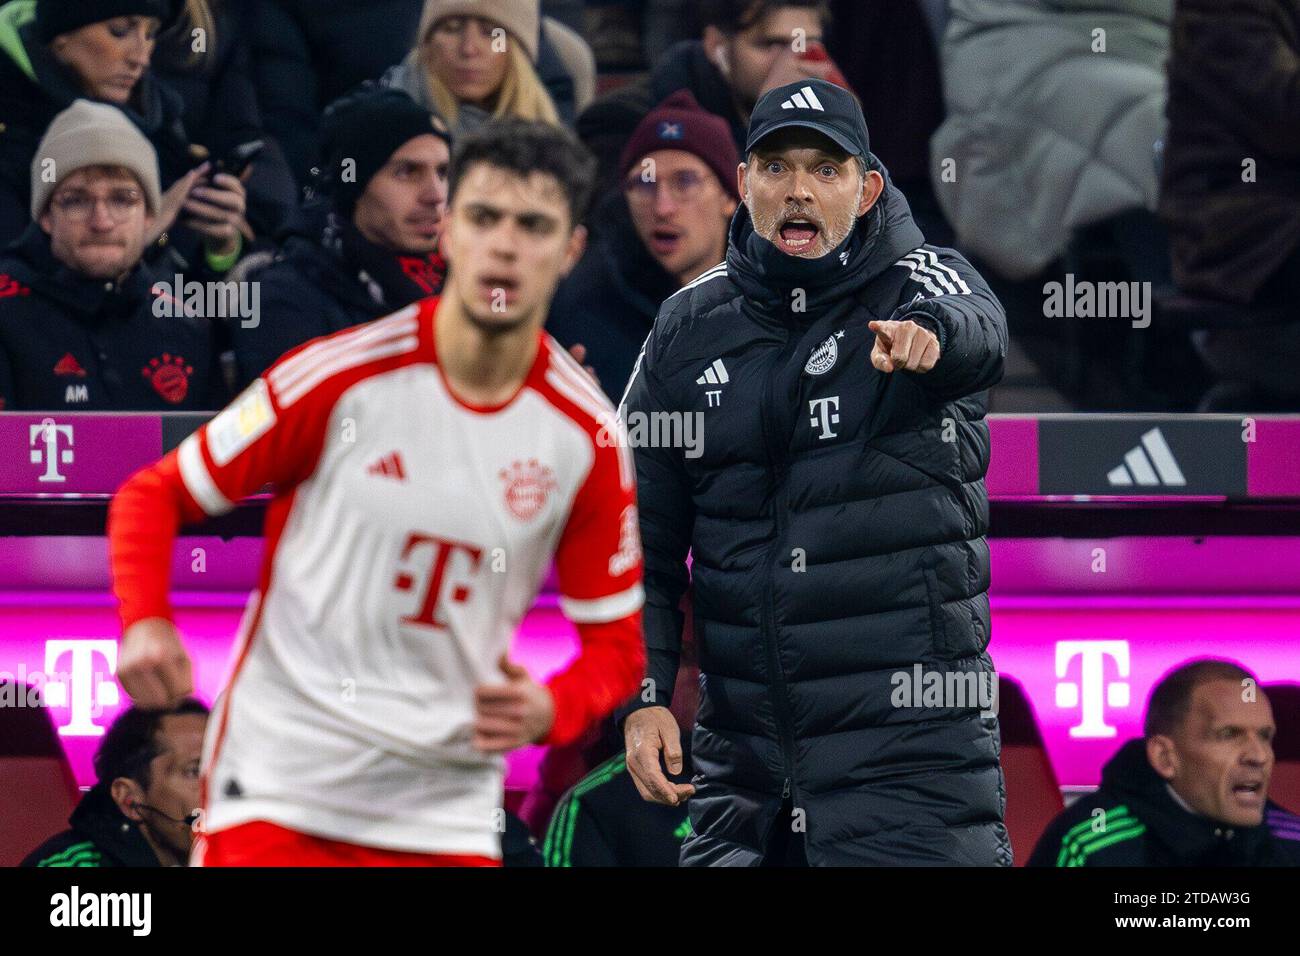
(142, 809)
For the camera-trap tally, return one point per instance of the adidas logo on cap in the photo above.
(805, 99)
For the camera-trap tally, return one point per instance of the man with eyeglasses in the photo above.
(662, 229)
(84, 326)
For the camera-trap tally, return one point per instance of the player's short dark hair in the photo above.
(733, 16)
(1172, 697)
(131, 743)
(524, 147)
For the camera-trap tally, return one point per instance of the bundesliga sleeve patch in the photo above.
(244, 421)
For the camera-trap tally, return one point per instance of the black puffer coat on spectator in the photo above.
(836, 518)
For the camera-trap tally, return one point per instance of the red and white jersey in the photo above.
(409, 535)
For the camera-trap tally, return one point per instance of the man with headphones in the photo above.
(746, 47)
(142, 810)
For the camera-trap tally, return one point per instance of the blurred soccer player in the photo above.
(426, 468)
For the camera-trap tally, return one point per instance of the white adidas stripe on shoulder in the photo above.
(386, 348)
(383, 337)
(566, 364)
(938, 277)
(347, 338)
(572, 386)
(715, 272)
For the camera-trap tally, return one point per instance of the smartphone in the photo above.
(239, 158)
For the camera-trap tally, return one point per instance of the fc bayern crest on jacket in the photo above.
(527, 486)
(824, 356)
(170, 376)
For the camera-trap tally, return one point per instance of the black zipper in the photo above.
(777, 454)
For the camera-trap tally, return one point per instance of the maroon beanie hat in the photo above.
(679, 122)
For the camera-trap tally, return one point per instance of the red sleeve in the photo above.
(272, 434)
(599, 567)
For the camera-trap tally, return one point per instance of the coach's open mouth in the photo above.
(798, 235)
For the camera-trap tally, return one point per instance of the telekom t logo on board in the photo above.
(47, 433)
(1092, 693)
(82, 688)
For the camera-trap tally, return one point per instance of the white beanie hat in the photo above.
(92, 134)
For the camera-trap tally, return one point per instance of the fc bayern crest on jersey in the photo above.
(824, 356)
(528, 484)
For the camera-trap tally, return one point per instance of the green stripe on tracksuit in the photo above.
(1084, 839)
(557, 849)
(79, 854)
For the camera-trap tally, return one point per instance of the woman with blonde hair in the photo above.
(475, 60)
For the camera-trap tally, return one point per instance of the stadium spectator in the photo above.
(1054, 108)
(140, 812)
(1230, 189)
(746, 47)
(55, 51)
(474, 60)
(82, 326)
(1192, 792)
(204, 57)
(367, 248)
(666, 227)
(836, 536)
(306, 54)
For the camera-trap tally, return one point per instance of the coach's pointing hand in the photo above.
(512, 714)
(903, 345)
(152, 665)
(647, 733)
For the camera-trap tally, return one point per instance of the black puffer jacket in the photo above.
(836, 516)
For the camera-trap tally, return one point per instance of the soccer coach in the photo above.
(835, 516)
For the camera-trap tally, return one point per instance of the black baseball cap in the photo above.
(831, 110)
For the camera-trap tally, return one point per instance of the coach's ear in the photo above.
(577, 246)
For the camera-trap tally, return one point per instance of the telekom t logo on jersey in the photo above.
(1093, 693)
(440, 555)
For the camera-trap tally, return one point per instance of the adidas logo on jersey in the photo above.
(805, 99)
(390, 466)
(715, 374)
(1138, 466)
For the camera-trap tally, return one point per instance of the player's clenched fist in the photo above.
(518, 712)
(647, 733)
(903, 345)
(152, 665)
